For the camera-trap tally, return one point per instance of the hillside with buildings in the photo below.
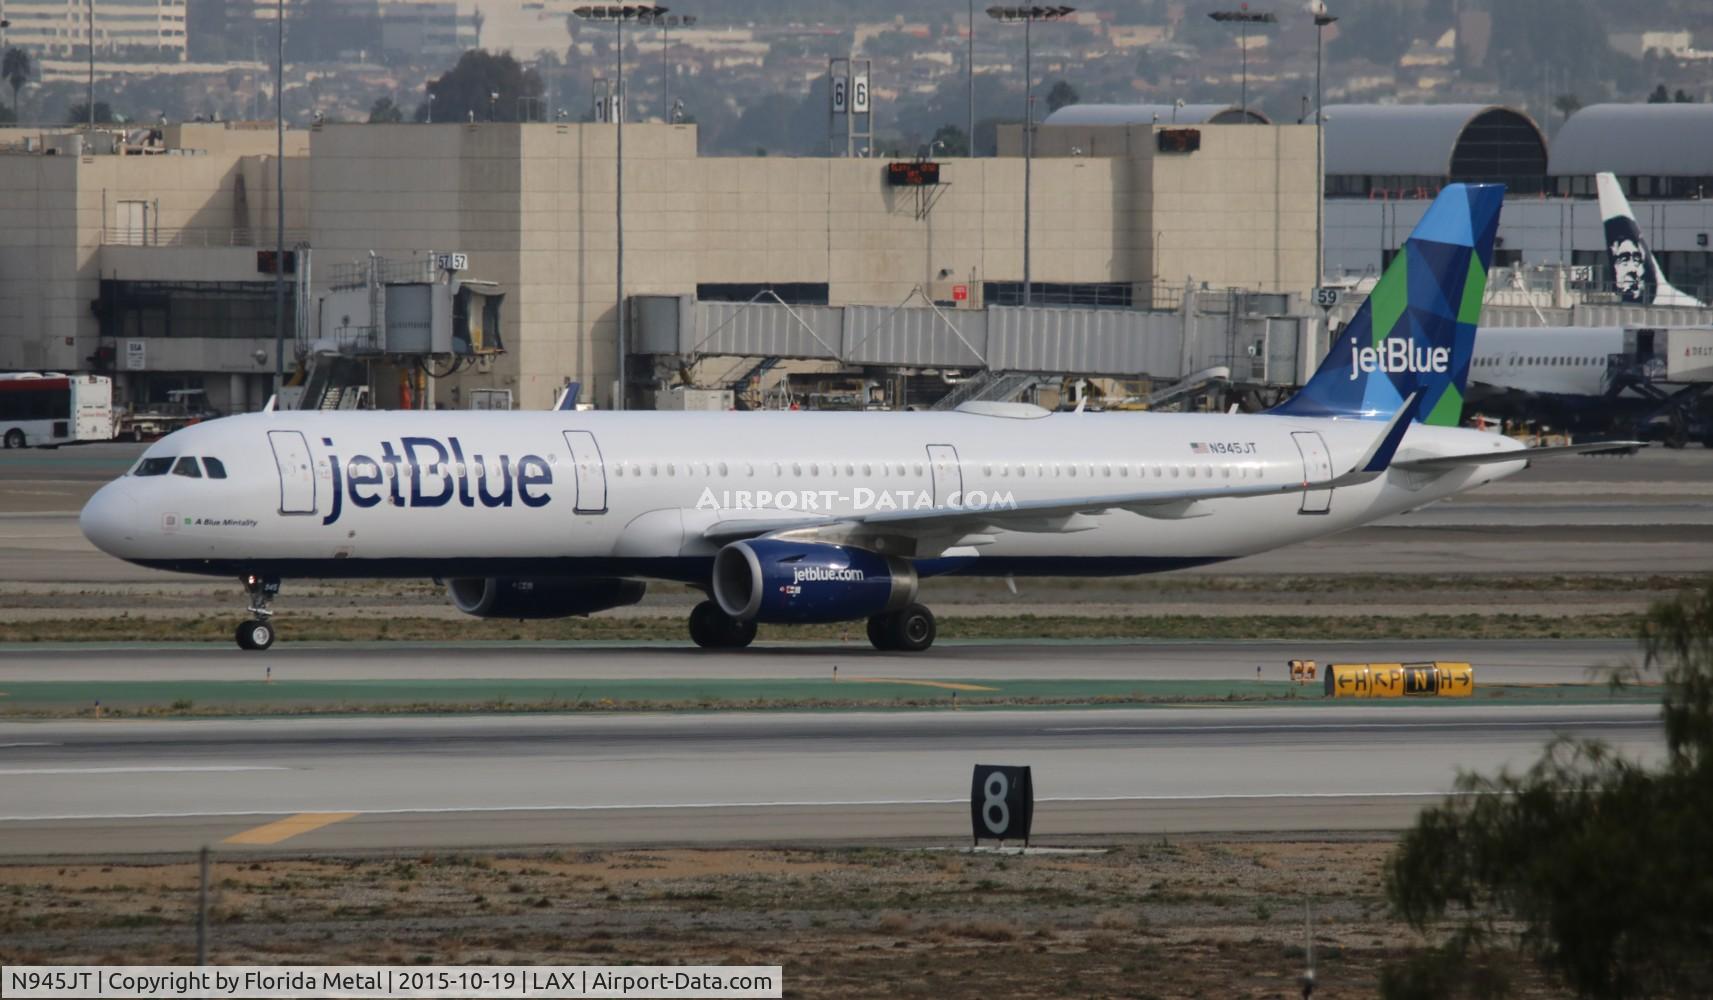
(753, 76)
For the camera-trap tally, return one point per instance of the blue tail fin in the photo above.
(1416, 331)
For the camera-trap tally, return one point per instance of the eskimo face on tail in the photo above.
(1636, 275)
(1416, 331)
(1632, 270)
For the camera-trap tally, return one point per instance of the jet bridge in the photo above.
(1264, 340)
(419, 315)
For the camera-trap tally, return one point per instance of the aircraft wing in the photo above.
(1440, 463)
(928, 532)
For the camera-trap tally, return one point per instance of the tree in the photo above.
(384, 112)
(1567, 104)
(1595, 866)
(948, 140)
(471, 85)
(15, 70)
(1659, 95)
(1682, 98)
(79, 114)
(1061, 94)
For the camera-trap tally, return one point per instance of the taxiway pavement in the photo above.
(385, 783)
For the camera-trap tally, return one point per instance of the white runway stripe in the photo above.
(1262, 727)
(621, 806)
(218, 768)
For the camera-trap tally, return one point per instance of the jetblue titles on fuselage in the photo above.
(438, 474)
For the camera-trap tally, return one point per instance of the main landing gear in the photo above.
(712, 628)
(909, 630)
(258, 633)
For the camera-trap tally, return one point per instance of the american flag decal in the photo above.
(1199, 447)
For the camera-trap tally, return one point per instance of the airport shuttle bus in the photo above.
(829, 517)
(48, 409)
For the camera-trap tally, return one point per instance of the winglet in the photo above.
(1379, 456)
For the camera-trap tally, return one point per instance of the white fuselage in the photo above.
(630, 494)
(1545, 361)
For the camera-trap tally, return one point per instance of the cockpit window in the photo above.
(188, 468)
(216, 468)
(153, 467)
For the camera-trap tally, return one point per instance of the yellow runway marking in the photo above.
(948, 685)
(285, 829)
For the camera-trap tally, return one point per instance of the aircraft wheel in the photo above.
(255, 635)
(736, 634)
(877, 634)
(712, 628)
(704, 625)
(912, 630)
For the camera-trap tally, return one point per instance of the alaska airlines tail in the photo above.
(1635, 271)
(1416, 332)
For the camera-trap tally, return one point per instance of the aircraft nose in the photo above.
(109, 519)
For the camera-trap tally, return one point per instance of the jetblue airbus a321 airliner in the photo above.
(825, 517)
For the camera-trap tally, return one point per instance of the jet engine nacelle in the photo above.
(772, 580)
(540, 597)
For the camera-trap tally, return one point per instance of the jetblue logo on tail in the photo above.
(1396, 356)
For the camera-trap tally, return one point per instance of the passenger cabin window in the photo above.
(188, 468)
(216, 468)
(153, 467)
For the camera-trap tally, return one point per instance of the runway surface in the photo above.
(1496, 661)
(124, 788)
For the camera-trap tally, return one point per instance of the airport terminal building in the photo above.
(137, 253)
(156, 241)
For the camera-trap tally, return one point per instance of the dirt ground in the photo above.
(1217, 596)
(1154, 918)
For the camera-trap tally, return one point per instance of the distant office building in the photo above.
(431, 28)
(146, 30)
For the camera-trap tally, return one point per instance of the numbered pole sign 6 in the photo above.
(1002, 803)
(859, 95)
(841, 94)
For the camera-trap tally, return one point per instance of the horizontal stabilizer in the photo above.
(1443, 462)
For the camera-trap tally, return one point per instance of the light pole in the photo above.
(90, 34)
(969, 69)
(619, 14)
(1245, 17)
(1321, 20)
(1028, 16)
(668, 76)
(279, 199)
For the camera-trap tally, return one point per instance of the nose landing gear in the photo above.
(258, 633)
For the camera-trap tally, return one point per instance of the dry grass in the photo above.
(330, 628)
(1142, 919)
